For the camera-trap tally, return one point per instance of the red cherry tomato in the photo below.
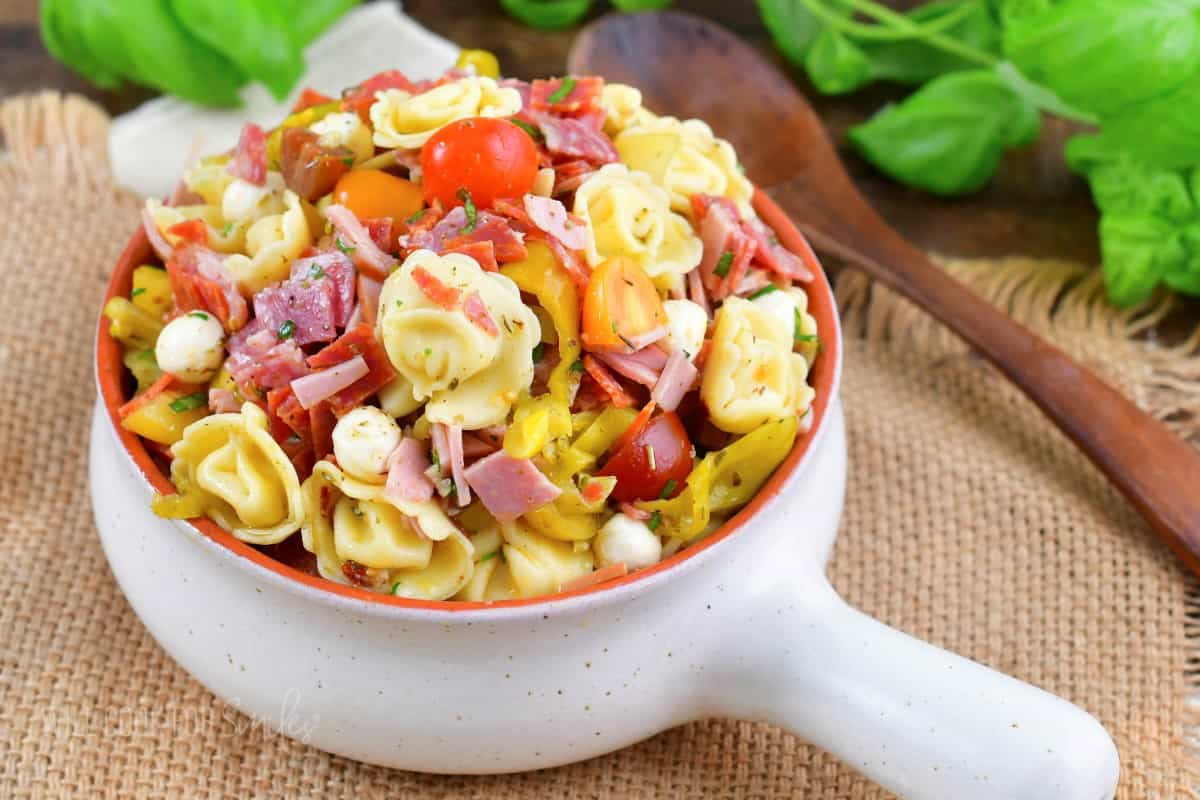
(643, 466)
(488, 158)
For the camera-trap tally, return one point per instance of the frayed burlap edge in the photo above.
(64, 139)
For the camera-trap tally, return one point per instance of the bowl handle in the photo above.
(922, 722)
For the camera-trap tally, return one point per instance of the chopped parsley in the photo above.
(469, 207)
(770, 287)
(345, 248)
(226, 230)
(399, 304)
(416, 216)
(654, 521)
(577, 365)
(538, 352)
(489, 556)
(316, 272)
(532, 131)
(199, 315)
(428, 351)
(137, 291)
(189, 402)
(668, 488)
(724, 263)
(563, 91)
(286, 329)
(798, 334)
(396, 586)
(348, 161)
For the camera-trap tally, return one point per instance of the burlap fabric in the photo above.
(969, 522)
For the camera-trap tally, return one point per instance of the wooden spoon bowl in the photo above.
(688, 67)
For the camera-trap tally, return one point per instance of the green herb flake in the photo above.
(577, 365)
(563, 91)
(770, 287)
(798, 334)
(137, 291)
(469, 207)
(228, 229)
(316, 272)
(286, 330)
(489, 556)
(396, 587)
(724, 263)
(199, 315)
(534, 133)
(654, 521)
(348, 161)
(189, 402)
(668, 488)
(539, 352)
(345, 248)
(428, 351)
(413, 219)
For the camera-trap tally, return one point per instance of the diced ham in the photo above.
(158, 242)
(477, 311)
(551, 217)
(222, 401)
(572, 262)
(569, 175)
(696, 291)
(383, 231)
(439, 293)
(675, 381)
(406, 479)
(335, 267)
(366, 255)
(261, 362)
(448, 235)
(777, 258)
(368, 299)
(359, 340)
(199, 279)
(441, 447)
(250, 157)
(452, 436)
(725, 243)
(576, 138)
(509, 487)
(307, 305)
(611, 386)
(633, 512)
(362, 97)
(754, 280)
(475, 447)
(483, 253)
(642, 366)
(318, 386)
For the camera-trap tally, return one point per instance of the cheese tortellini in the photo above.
(246, 482)
(686, 159)
(469, 376)
(272, 243)
(749, 378)
(407, 121)
(539, 565)
(345, 129)
(407, 554)
(622, 108)
(627, 215)
(221, 237)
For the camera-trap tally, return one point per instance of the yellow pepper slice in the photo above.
(131, 325)
(157, 421)
(724, 480)
(151, 290)
(142, 366)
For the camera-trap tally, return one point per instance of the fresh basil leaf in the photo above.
(640, 5)
(792, 26)
(1125, 186)
(948, 137)
(172, 59)
(255, 36)
(547, 14)
(1108, 55)
(836, 65)
(914, 60)
(1138, 251)
(1164, 131)
(66, 40)
(309, 18)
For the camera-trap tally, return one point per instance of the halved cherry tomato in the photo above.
(372, 193)
(620, 306)
(654, 463)
(485, 158)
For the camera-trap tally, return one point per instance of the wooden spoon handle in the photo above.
(1155, 469)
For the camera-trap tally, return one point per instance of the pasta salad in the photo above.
(469, 338)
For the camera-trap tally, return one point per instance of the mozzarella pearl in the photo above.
(781, 305)
(243, 202)
(626, 539)
(686, 325)
(543, 184)
(191, 347)
(362, 441)
(345, 129)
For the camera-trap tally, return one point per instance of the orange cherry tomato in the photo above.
(620, 305)
(489, 159)
(653, 463)
(371, 194)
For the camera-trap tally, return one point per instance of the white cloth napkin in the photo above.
(151, 145)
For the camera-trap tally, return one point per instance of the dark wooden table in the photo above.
(1035, 206)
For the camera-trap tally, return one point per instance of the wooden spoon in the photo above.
(689, 67)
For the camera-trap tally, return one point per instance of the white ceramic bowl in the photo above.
(744, 624)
